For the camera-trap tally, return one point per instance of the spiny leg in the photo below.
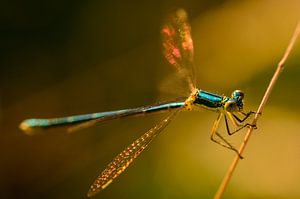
(227, 126)
(247, 115)
(225, 143)
(214, 132)
(238, 123)
(229, 145)
(229, 132)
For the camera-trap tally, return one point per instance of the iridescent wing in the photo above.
(178, 46)
(126, 157)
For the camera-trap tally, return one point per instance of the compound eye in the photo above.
(231, 106)
(238, 94)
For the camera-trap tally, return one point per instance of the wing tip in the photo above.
(180, 12)
(92, 192)
(95, 188)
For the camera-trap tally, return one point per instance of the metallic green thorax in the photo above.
(209, 100)
(216, 102)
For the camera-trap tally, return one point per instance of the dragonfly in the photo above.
(178, 50)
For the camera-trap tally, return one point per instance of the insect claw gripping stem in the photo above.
(240, 155)
(251, 125)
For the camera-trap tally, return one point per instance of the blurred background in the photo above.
(61, 58)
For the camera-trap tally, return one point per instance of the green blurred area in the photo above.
(61, 58)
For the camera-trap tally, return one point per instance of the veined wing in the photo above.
(126, 157)
(178, 46)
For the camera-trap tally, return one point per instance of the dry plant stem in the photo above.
(259, 111)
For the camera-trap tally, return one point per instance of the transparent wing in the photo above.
(178, 46)
(126, 157)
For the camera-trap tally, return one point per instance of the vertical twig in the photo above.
(279, 68)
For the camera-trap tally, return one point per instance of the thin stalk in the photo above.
(259, 111)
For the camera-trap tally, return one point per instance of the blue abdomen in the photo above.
(208, 100)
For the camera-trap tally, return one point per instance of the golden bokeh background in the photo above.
(71, 57)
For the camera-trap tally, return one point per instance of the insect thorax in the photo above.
(208, 100)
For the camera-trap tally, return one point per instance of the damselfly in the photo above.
(178, 51)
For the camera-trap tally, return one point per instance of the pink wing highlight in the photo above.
(178, 45)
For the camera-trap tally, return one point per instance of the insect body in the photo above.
(178, 51)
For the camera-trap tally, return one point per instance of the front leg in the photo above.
(237, 122)
(224, 142)
(247, 115)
